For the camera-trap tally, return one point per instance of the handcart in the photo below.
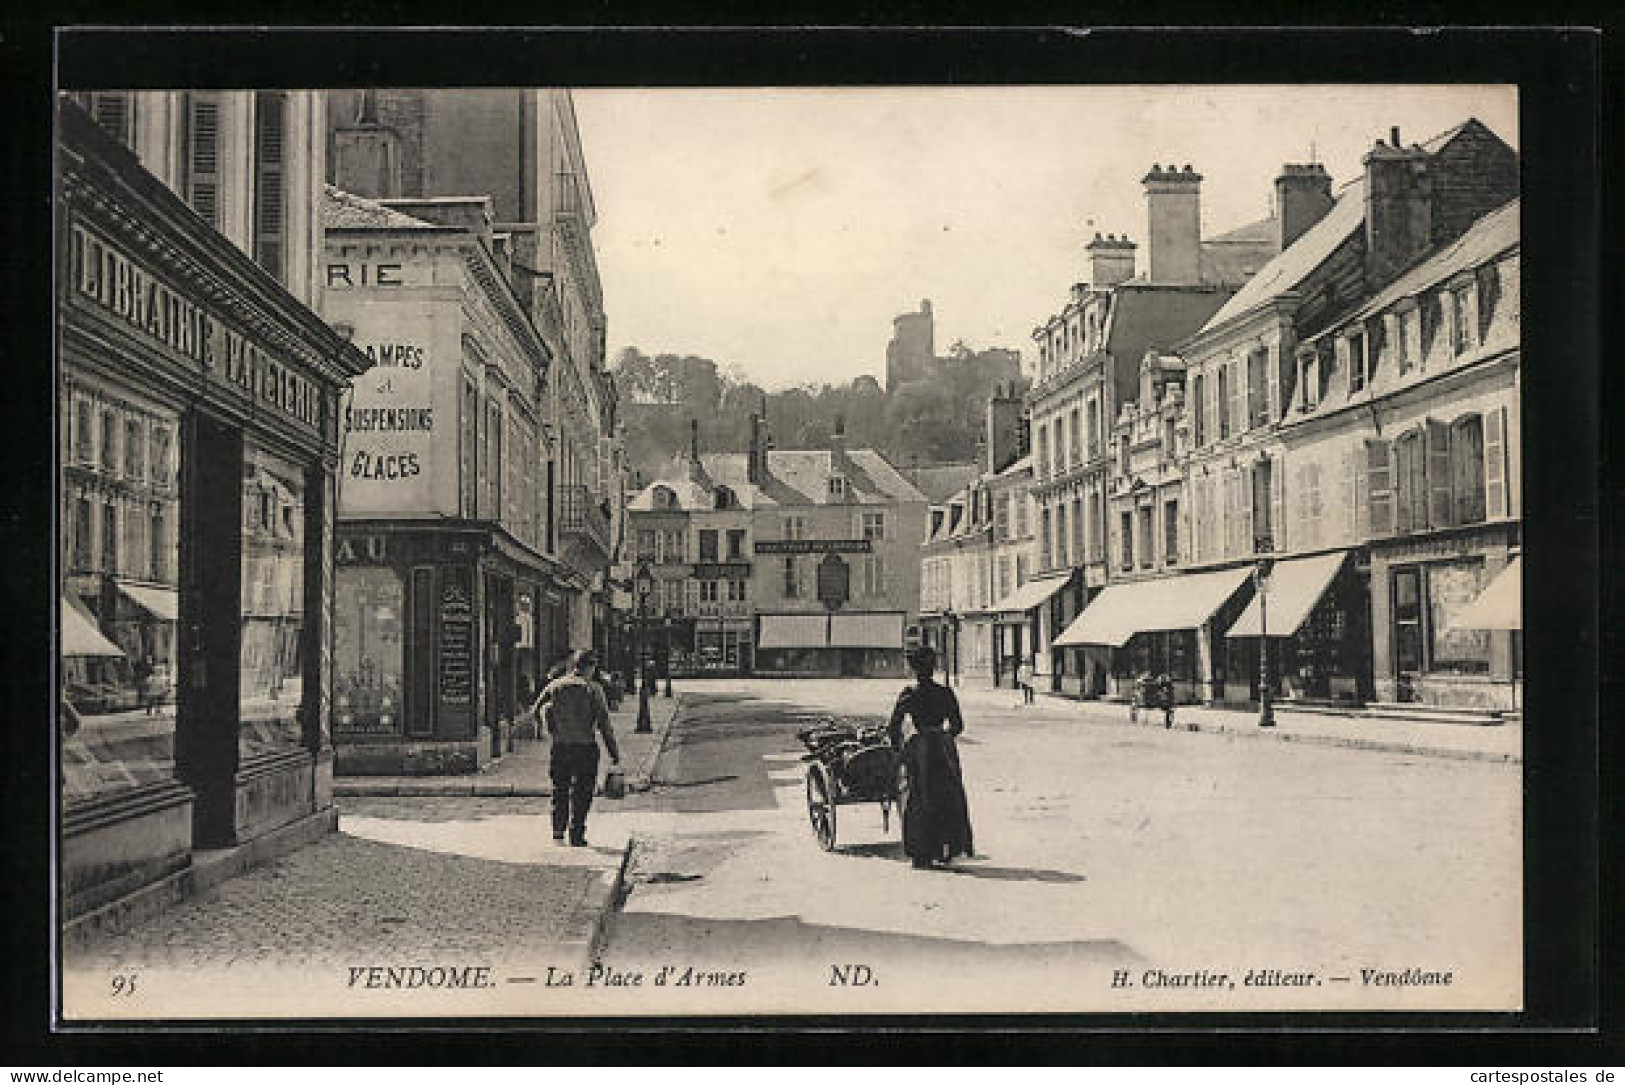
(846, 764)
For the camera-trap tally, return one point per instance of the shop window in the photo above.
(1451, 586)
(1407, 610)
(271, 683)
(368, 651)
(116, 712)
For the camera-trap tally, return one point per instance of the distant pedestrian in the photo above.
(143, 670)
(576, 716)
(1024, 681)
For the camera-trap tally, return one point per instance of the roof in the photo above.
(1232, 258)
(940, 481)
(794, 477)
(1486, 239)
(346, 211)
(1298, 260)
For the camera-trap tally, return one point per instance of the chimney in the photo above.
(1398, 209)
(1173, 206)
(1111, 260)
(1303, 195)
(1001, 442)
(367, 153)
(694, 439)
(837, 440)
(753, 460)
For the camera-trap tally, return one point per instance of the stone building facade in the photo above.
(198, 408)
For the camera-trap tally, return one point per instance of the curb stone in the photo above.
(638, 780)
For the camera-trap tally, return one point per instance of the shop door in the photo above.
(207, 702)
(1407, 633)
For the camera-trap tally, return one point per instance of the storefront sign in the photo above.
(722, 570)
(388, 425)
(113, 282)
(456, 644)
(834, 582)
(813, 546)
(363, 549)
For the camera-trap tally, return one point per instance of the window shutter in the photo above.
(1272, 379)
(1438, 474)
(1379, 487)
(1345, 363)
(111, 111)
(270, 200)
(1495, 464)
(1278, 506)
(203, 158)
(1238, 401)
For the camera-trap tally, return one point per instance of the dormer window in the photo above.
(664, 498)
(837, 486)
(724, 498)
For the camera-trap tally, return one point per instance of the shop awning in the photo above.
(1031, 594)
(80, 637)
(161, 603)
(1499, 606)
(794, 631)
(1149, 606)
(1295, 586)
(878, 630)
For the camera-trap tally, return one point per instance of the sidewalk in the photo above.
(1501, 743)
(523, 771)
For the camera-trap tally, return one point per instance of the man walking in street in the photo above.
(573, 709)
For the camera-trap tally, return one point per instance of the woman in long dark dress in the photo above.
(936, 816)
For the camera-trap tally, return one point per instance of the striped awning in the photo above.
(1499, 606)
(162, 603)
(1031, 594)
(1150, 606)
(794, 631)
(876, 630)
(1294, 587)
(80, 637)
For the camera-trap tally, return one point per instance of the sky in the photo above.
(777, 231)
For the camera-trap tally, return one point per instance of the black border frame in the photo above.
(1562, 83)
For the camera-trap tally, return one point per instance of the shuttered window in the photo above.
(1496, 503)
(1439, 510)
(270, 194)
(1379, 487)
(1467, 468)
(112, 111)
(1258, 398)
(1224, 402)
(203, 156)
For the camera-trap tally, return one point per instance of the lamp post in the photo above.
(1261, 584)
(666, 653)
(951, 656)
(645, 584)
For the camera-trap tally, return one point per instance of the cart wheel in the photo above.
(821, 806)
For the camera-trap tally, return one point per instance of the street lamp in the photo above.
(1261, 584)
(666, 653)
(950, 655)
(644, 581)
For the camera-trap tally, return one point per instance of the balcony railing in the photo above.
(583, 516)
